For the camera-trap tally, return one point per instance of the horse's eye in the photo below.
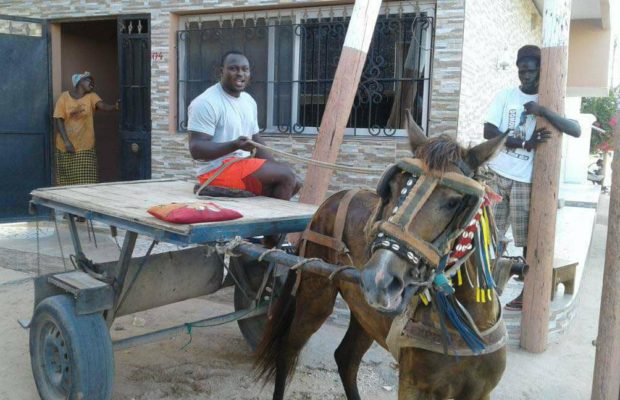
(452, 203)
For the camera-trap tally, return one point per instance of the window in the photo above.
(294, 58)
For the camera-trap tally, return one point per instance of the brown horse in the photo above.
(388, 284)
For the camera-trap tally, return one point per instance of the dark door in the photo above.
(134, 50)
(25, 121)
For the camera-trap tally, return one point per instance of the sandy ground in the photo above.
(218, 364)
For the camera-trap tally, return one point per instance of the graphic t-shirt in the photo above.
(77, 115)
(507, 113)
(226, 117)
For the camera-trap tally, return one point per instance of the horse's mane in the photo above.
(439, 152)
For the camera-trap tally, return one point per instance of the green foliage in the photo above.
(603, 108)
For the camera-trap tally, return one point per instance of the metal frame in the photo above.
(371, 87)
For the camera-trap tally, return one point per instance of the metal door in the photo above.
(134, 54)
(25, 104)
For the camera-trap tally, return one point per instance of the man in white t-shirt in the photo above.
(221, 121)
(515, 110)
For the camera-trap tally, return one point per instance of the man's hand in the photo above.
(539, 136)
(242, 143)
(69, 147)
(533, 107)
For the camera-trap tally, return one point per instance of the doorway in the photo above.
(92, 46)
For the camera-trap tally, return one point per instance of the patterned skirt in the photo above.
(78, 168)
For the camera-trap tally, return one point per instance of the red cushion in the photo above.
(191, 213)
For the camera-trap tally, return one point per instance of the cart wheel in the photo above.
(252, 328)
(71, 355)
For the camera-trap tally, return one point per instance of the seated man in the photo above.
(221, 120)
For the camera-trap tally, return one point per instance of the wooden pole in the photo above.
(606, 382)
(546, 179)
(341, 97)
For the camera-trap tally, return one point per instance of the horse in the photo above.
(390, 280)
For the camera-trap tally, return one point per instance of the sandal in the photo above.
(516, 304)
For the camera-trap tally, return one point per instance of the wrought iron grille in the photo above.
(293, 63)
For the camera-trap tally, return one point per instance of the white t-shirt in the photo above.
(223, 116)
(507, 113)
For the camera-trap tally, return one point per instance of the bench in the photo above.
(564, 272)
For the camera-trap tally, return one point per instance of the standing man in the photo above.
(515, 110)
(221, 120)
(76, 157)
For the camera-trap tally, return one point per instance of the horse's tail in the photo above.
(276, 332)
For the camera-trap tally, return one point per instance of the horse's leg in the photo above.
(349, 355)
(313, 305)
(407, 388)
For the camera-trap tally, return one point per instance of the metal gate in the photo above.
(134, 51)
(25, 105)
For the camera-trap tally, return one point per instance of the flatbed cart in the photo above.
(71, 351)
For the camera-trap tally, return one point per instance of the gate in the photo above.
(25, 105)
(134, 53)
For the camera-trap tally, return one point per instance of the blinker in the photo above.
(412, 199)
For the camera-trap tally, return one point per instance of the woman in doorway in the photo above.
(76, 158)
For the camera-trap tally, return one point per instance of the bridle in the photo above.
(440, 260)
(394, 234)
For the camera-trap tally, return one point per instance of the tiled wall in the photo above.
(494, 31)
(169, 150)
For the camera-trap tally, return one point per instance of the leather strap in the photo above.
(335, 241)
(323, 240)
(341, 214)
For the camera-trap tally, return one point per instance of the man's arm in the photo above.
(260, 153)
(540, 135)
(568, 126)
(202, 147)
(59, 123)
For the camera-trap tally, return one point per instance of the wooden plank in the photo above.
(341, 97)
(130, 201)
(606, 382)
(77, 279)
(546, 179)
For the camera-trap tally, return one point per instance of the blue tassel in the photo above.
(470, 337)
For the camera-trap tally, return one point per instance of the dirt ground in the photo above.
(217, 364)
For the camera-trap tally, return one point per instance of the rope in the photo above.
(339, 270)
(316, 163)
(304, 262)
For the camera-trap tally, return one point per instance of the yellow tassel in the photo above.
(489, 294)
(459, 277)
(478, 295)
(484, 298)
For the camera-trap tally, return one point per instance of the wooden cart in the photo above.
(70, 346)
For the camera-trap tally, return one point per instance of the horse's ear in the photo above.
(416, 135)
(383, 187)
(478, 155)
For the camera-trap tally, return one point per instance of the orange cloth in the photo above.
(238, 175)
(78, 119)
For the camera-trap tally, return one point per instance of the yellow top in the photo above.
(78, 119)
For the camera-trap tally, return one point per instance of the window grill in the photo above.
(293, 60)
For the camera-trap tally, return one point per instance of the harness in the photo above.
(471, 232)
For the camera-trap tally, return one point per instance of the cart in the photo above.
(71, 351)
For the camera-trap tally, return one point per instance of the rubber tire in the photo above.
(253, 328)
(88, 346)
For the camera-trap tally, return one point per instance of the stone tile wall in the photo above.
(169, 149)
(494, 31)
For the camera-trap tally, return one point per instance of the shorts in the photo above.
(237, 175)
(514, 209)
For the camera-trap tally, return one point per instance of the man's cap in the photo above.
(528, 51)
(76, 78)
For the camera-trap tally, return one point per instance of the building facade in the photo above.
(464, 53)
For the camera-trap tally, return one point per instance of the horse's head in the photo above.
(426, 202)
